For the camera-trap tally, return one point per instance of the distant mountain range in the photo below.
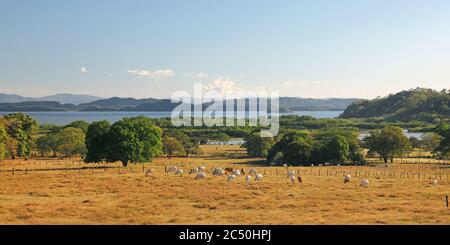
(69, 102)
(61, 98)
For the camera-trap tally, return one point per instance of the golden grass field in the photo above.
(63, 194)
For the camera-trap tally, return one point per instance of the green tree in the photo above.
(337, 149)
(388, 142)
(256, 145)
(444, 146)
(134, 140)
(431, 141)
(3, 138)
(71, 142)
(97, 141)
(78, 124)
(20, 127)
(219, 137)
(190, 145)
(47, 144)
(296, 148)
(171, 147)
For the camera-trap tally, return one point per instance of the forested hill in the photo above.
(417, 104)
(287, 104)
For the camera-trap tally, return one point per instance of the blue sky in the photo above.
(132, 48)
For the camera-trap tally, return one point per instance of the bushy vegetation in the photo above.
(128, 140)
(418, 104)
(296, 147)
(302, 140)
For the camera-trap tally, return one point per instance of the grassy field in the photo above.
(70, 192)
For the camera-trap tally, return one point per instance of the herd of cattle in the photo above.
(232, 174)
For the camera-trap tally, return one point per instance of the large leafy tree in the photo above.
(97, 141)
(337, 149)
(430, 141)
(256, 145)
(71, 142)
(444, 146)
(134, 140)
(295, 148)
(3, 138)
(47, 144)
(20, 128)
(388, 142)
(171, 147)
(83, 125)
(338, 145)
(190, 145)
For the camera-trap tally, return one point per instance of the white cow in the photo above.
(292, 178)
(253, 171)
(347, 178)
(172, 169)
(434, 182)
(258, 177)
(231, 177)
(179, 172)
(248, 179)
(200, 176)
(149, 171)
(290, 173)
(218, 172)
(201, 169)
(364, 183)
(237, 172)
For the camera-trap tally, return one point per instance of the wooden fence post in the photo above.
(12, 171)
(446, 201)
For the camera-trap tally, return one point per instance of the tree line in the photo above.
(140, 139)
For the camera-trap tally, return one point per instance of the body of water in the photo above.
(417, 135)
(66, 117)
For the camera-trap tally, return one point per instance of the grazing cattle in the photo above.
(237, 172)
(179, 172)
(290, 173)
(434, 182)
(193, 171)
(258, 177)
(347, 178)
(292, 178)
(231, 177)
(172, 169)
(200, 176)
(364, 183)
(253, 171)
(299, 179)
(248, 179)
(228, 170)
(149, 171)
(218, 172)
(201, 169)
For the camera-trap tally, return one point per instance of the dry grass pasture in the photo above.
(70, 192)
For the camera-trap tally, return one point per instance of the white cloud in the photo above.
(229, 88)
(197, 76)
(223, 85)
(83, 69)
(152, 74)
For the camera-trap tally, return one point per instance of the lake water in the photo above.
(65, 117)
(417, 135)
